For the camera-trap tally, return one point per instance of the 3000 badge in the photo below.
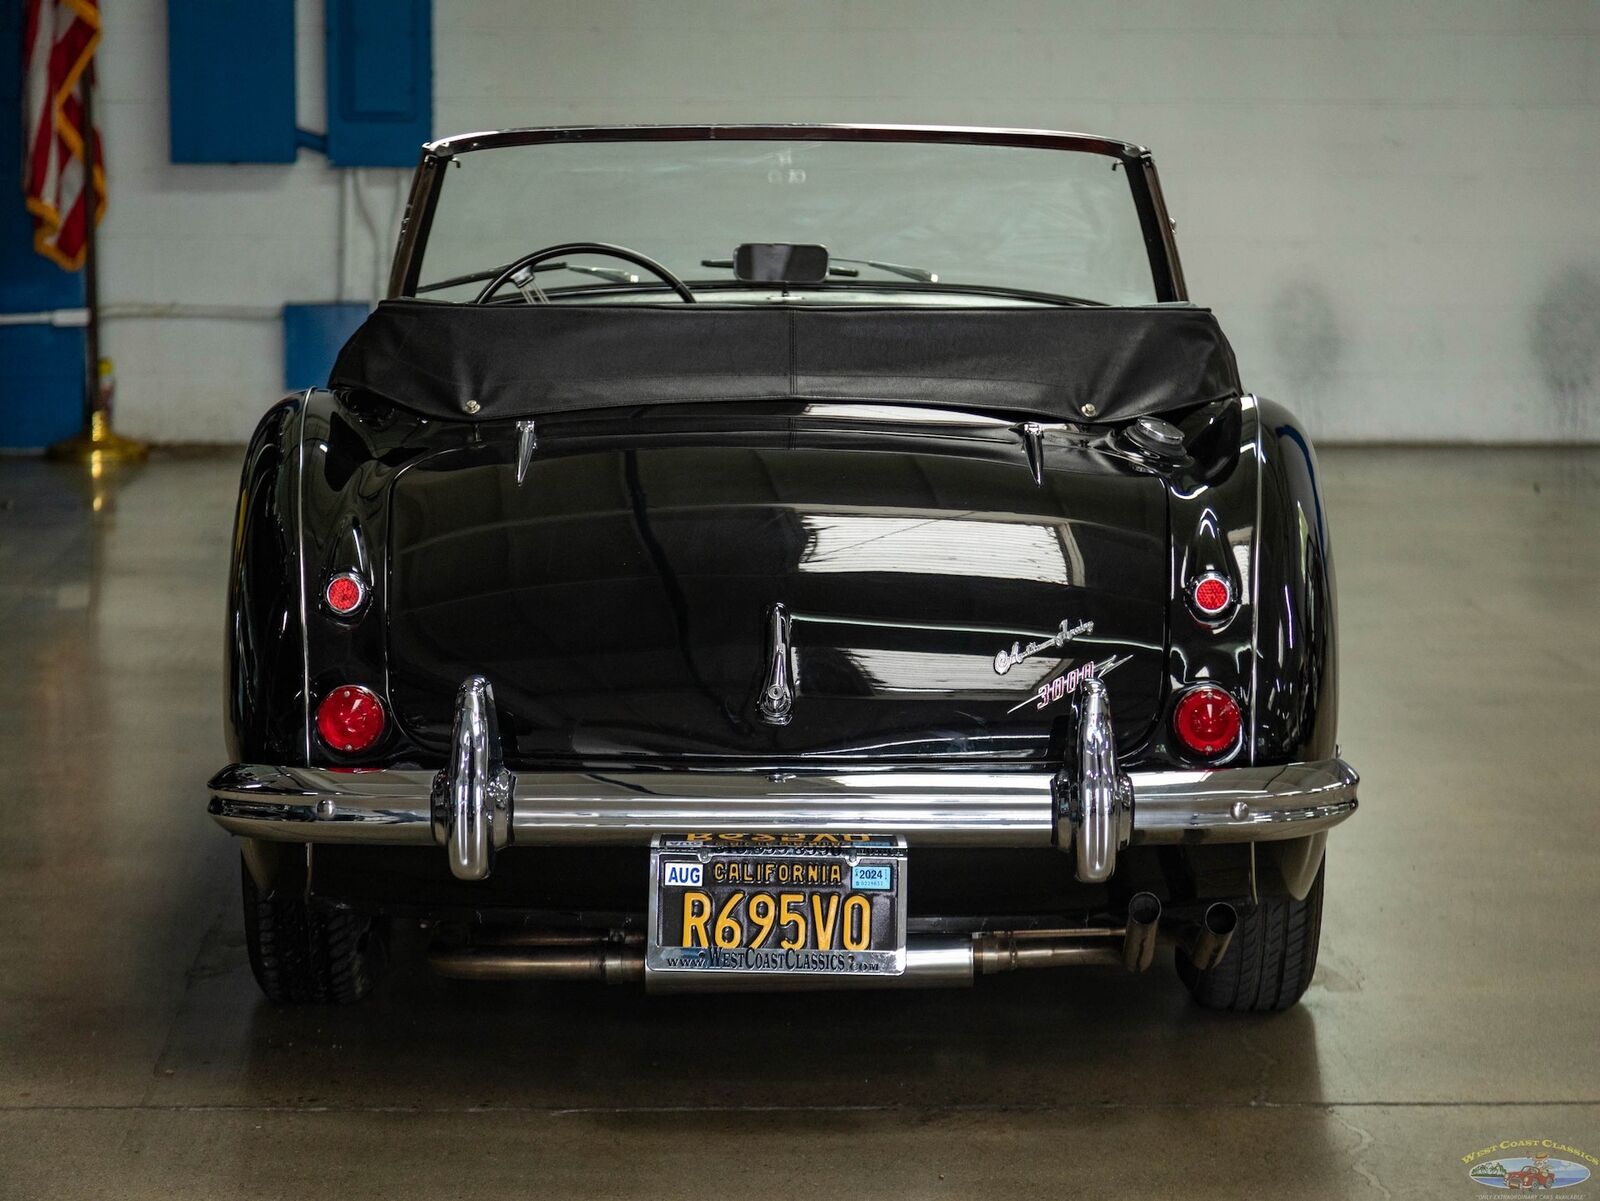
(814, 904)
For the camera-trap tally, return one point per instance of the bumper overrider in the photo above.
(1090, 809)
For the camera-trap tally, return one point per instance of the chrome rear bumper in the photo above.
(476, 806)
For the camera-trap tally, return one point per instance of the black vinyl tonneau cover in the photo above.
(499, 362)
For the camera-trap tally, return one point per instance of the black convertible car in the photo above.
(783, 557)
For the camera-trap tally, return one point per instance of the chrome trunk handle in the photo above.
(776, 705)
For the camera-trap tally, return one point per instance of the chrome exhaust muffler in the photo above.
(1018, 950)
(1207, 943)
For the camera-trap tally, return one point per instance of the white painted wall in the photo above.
(1391, 206)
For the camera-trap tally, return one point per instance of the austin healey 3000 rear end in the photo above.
(783, 557)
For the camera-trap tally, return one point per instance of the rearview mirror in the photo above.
(781, 262)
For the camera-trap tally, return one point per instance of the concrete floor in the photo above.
(1455, 1004)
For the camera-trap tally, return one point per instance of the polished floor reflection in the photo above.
(1455, 1004)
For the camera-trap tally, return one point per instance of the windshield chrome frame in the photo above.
(1166, 270)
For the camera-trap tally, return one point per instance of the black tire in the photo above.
(1270, 959)
(305, 954)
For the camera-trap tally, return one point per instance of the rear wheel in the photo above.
(1270, 957)
(304, 954)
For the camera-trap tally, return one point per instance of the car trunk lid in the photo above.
(943, 591)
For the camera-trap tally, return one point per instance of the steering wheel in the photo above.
(565, 248)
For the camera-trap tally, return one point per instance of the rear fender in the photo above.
(1249, 508)
(1294, 716)
(312, 502)
(264, 711)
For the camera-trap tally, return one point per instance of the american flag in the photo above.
(60, 37)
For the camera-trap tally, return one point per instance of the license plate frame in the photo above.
(864, 860)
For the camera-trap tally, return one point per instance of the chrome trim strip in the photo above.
(300, 560)
(953, 807)
(979, 135)
(1255, 579)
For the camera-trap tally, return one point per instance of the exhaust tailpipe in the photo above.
(931, 961)
(610, 963)
(1208, 942)
(1139, 940)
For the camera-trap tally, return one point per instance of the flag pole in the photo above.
(96, 443)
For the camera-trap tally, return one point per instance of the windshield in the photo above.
(903, 222)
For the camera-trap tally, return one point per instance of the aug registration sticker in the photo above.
(682, 875)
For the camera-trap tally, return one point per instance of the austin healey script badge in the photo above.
(1004, 660)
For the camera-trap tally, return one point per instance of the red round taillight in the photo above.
(345, 593)
(1207, 720)
(350, 718)
(1211, 595)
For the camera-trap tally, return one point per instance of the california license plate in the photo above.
(808, 904)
